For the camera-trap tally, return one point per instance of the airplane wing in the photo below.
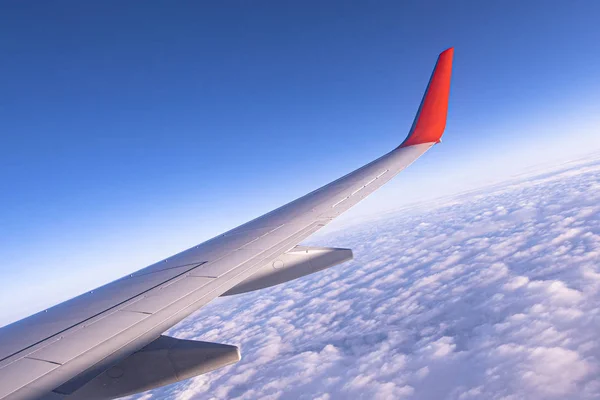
(107, 343)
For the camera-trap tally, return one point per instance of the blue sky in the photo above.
(132, 131)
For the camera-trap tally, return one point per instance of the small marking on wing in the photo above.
(361, 188)
(46, 361)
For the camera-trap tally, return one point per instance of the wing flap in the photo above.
(166, 360)
(18, 374)
(85, 337)
(47, 324)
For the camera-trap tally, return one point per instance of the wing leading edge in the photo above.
(59, 352)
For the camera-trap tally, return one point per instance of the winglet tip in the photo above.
(446, 55)
(430, 121)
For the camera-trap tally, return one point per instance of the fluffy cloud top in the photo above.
(492, 295)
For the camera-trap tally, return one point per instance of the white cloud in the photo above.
(494, 294)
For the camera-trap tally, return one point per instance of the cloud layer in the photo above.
(492, 295)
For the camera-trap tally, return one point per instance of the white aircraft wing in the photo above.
(107, 343)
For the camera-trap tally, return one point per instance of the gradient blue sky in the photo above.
(131, 131)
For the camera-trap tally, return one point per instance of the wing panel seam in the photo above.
(115, 307)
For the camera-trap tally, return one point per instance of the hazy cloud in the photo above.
(493, 295)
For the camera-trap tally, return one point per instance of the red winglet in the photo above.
(430, 120)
